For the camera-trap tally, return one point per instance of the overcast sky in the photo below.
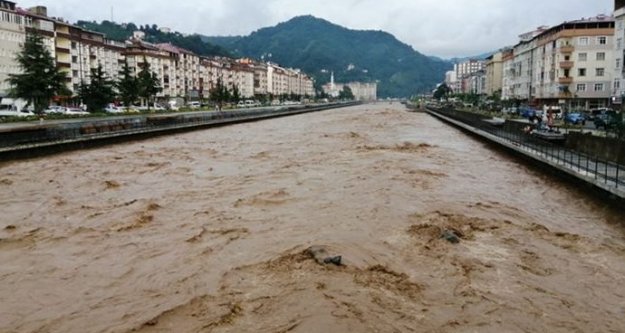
(444, 28)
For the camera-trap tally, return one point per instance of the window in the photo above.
(583, 56)
(599, 87)
(619, 43)
(73, 45)
(600, 56)
(618, 63)
(581, 87)
(583, 41)
(75, 73)
(600, 71)
(74, 59)
(581, 72)
(602, 40)
(617, 84)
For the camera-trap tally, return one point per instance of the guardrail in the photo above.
(600, 170)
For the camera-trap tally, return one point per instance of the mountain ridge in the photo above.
(320, 47)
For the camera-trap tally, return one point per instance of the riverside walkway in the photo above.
(601, 174)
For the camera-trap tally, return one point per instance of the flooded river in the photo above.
(207, 231)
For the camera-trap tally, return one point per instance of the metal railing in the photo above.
(47, 134)
(593, 167)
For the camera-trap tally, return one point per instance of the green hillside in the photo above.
(121, 33)
(319, 47)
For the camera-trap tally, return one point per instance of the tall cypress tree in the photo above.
(128, 86)
(99, 92)
(40, 79)
(149, 84)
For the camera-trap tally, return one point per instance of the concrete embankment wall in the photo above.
(607, 148)
(614, 195)
(36, 139)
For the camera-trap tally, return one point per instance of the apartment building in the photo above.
(570, 64)
(139, 52)
(618, 87)
(574, 63)
(277, 80)
(14, 24)
(494, 73)
(243, 79)
(507, 70)
(181, 72)
(366, 92)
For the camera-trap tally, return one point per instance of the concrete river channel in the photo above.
(211, 231)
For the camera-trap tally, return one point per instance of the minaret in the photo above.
(332, 86)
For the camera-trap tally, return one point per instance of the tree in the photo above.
(128, 86)
(235, 96)
(40, 79)
(442, 91)
(218, 93)
(149, 84)
(99, 92)
(346, 93)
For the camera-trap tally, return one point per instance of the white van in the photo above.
(10, 107)
(194, 105)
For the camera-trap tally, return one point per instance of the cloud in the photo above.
(443, 28)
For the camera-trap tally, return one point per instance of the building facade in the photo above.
(618, 87)
(570, 64)
(182, 73)
(494, 73)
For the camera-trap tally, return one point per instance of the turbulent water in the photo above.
(207, 231)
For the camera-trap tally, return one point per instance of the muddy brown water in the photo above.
(206, 232)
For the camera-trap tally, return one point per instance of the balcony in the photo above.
(62, 50)
(566, 64)
(567, 49)
(565, 80)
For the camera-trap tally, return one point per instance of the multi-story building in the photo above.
(243, 79)
(14, 24)
(618, 87)
(139, 52)
(570, 64)
(574, 64)
(494, 73)
(507, 74)
(521, 80)
(451, 80)
(181, 72)
(468, 67)
(366, 92)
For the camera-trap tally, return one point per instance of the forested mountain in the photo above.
(319, 47)
(121, 32)
(316, 46)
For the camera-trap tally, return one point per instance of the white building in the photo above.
(618, 87)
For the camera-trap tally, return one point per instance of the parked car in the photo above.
(528, 112)
(55, 109)
(112, 108)
(12, 112)
(606, 120)
(75, 111)
(594, 113)
(575, 118)
(194, 105)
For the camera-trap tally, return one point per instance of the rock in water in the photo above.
(333, 260)
(450, 236)
(321, 256)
